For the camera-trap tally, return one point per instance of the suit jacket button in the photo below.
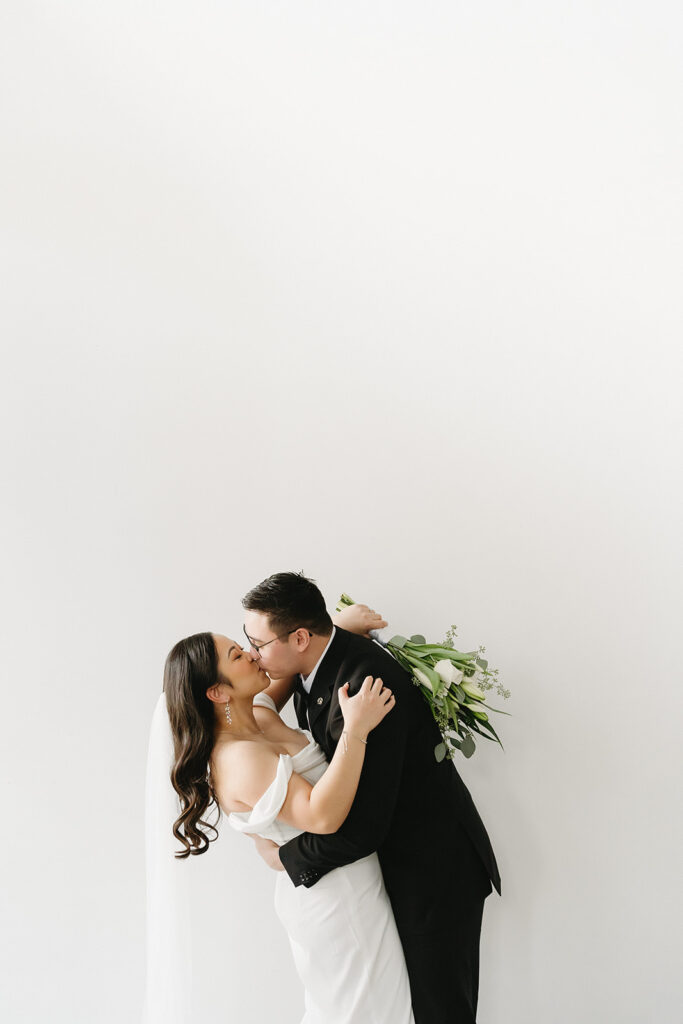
(319, 700)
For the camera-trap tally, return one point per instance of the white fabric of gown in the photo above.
(341, 930)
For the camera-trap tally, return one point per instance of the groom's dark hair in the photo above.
(291, 601)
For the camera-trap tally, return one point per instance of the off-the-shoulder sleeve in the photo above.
(267, 807)
(265, 701)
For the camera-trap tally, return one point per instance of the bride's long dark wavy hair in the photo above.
(191, 668)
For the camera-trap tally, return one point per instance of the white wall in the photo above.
(389, 293)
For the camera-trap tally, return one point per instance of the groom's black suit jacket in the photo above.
(417, 813)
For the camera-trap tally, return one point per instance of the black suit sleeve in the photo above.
(308, 857)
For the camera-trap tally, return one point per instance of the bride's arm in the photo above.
(321, 808)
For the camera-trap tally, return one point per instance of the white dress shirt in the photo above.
(308, 681)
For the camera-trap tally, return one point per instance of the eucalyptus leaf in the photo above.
(467, 747)
(398, 641)
(440, 751)
(482, 662)
(417, 639)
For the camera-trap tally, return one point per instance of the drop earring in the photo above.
(228, 716)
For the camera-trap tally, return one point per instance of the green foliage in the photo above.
(467, 746)
(457, 713)
(398, 641)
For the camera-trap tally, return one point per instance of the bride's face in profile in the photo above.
(239, 667)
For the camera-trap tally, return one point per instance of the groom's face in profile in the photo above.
(278, 653)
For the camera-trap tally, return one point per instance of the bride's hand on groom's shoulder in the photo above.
(358, 618)
(364, 711)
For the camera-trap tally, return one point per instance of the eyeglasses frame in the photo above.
(259, 647)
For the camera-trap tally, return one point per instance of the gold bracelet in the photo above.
(346, 742)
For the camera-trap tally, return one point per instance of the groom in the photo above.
(417, 813)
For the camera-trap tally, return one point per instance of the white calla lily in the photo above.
(422, 678)
(477, 710)
(472, 690)
(448, 672)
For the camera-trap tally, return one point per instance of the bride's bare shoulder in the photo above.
(231, 755)
(265, 717)
(243, 770)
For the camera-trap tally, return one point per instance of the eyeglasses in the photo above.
(257, 647)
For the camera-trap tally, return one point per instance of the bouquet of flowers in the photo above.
(452, 683)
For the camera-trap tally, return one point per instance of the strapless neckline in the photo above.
(303, 749)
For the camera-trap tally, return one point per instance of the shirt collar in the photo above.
(307, 683)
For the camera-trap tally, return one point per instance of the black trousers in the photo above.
(443, 962)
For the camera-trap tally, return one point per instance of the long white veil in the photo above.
(168, 992)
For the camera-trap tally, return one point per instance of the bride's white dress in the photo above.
(341, 930)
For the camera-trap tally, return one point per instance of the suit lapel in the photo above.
(301, 704)
(323, 684)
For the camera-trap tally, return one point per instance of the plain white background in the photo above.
(388, 293)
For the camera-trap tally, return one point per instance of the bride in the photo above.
(231, 749)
